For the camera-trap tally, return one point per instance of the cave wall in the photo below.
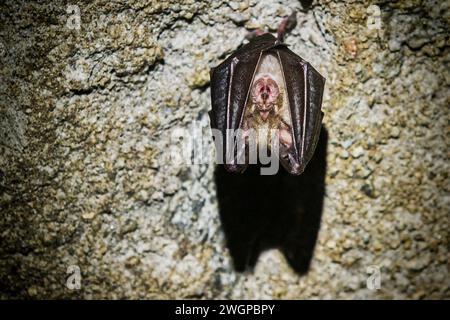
(91, 90)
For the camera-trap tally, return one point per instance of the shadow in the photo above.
(279, 211)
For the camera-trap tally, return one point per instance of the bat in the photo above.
(265, 91)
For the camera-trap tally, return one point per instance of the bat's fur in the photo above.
(279, 117)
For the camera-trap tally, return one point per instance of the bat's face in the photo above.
(265, 93)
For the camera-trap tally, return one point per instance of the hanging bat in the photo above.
(265, 86)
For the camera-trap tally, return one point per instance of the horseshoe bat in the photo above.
(265, 86)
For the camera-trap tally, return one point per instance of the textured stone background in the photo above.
(85, 116)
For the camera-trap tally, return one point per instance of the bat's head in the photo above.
(265, 93)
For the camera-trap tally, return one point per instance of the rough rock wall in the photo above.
(87, 107)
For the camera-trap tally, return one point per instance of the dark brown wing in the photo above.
(305, 90)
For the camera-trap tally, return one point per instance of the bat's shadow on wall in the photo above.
(279, 211)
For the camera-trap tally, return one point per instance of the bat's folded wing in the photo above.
(305, 88)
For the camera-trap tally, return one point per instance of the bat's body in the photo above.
(267, 88)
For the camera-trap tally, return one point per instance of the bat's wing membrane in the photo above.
(304, 87)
